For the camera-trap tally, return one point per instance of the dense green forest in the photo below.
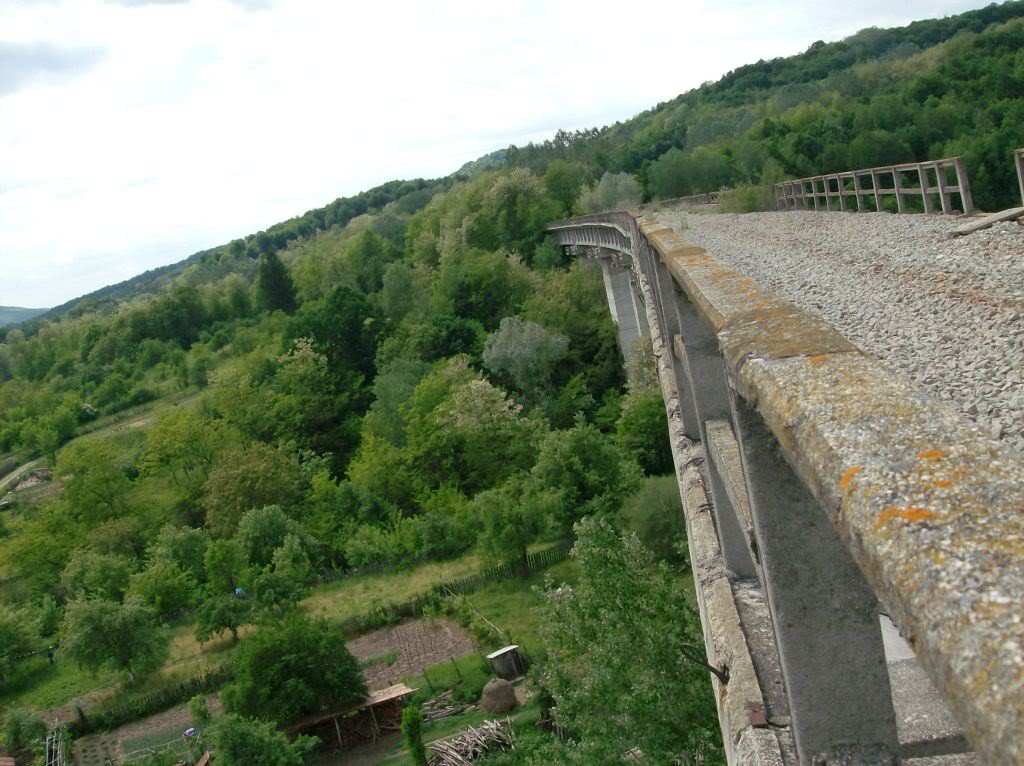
(417, 383)
(415, 373)
(933, 89)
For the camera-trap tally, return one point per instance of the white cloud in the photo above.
(189, 123)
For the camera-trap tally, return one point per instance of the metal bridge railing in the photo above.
(813, 475)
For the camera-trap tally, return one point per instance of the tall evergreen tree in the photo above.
(274, 284)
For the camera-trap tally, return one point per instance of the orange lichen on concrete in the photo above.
(848, 476)
(931, 454)
(818, 358)
(912, 513)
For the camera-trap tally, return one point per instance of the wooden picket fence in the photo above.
(154, 702)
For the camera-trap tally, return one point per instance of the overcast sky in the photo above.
(134, 132)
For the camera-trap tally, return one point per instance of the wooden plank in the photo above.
(858, 192)
(940, 178)
(1018, 157)
(922, 174)
(983, 223)
(878, 196)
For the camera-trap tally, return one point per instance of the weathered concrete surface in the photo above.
(725, 453)
(745, 742)
(630, 324)
(931, 508)
(896, 647)
(963, 759)
(926, 726)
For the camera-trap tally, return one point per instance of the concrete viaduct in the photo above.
(858, 548)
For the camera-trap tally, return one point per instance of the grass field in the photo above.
(38, 684)
(355, 595)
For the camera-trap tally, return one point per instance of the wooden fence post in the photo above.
(967, 202)
(940, 177)
(898, 185)
(922, 174)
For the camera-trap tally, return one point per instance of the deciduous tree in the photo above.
(613, 641)
(164, 586)
(292, 668)
(98, 633)
(244, 742)
(17, 635)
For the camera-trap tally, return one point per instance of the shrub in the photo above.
(164, 586)
(642, 431)
(294, 667)
(747, 198)
(198, 709)
(412, 733)
(243, 742)
(21, 730)
(656, 515)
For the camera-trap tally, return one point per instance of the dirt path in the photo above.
(12, 478)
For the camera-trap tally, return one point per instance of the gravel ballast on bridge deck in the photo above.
(946, 311)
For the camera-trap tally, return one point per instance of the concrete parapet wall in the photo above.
(930, 508)
(853, 488)
(741, 706)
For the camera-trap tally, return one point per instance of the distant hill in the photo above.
(14, 314)
(211, 264)
(493, 161)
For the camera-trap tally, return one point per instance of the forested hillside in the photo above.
(415, 373)
(933, 89)
(14, 314)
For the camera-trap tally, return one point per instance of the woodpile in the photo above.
(461, 749)
(442, 706)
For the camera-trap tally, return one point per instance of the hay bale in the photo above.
(498, 697)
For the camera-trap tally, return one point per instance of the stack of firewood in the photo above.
(442, 706)
(461, 749)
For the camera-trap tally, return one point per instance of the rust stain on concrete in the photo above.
(912, 513)
(848, 476)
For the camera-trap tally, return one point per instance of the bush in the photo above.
(164, 586)
(244, 742)
(656, 515)
(747, 198)
(642, 431)
(21, 730)
(292, 668)
(198, 709)
(412, 733)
